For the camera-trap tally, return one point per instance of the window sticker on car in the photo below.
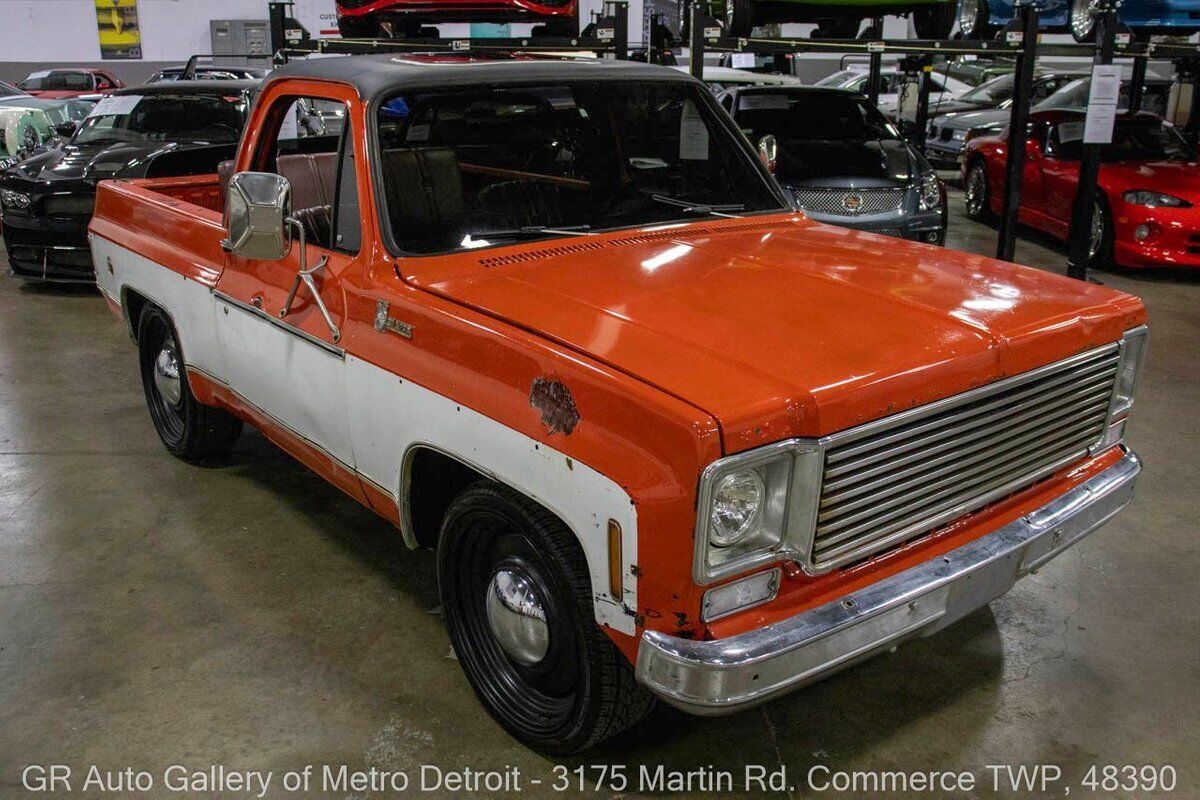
(1070, 131)
(417, 133)
(116, 106)
(693, 136)
(759, 102)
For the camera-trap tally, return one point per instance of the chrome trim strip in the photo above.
(726, 675)
(332, 349)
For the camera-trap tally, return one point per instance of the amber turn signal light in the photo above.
(615, 585)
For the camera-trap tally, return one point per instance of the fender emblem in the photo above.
(385, 323)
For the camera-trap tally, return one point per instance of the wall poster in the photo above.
(117, 23)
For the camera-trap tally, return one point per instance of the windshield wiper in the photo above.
(533, 231)
(700, 209)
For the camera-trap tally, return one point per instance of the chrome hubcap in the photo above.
(1081, 17)
(968, 11)
(1097, 233)
(975, 191)
(166, 374)
(516, 616)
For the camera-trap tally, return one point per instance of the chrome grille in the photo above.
(893, 480)
(841, 202)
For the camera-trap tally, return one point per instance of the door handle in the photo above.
(305, 276)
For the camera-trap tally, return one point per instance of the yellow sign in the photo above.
(117, 22)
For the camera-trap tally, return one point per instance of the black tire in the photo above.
(935, 20)
(739, 17)
(190, 430)
(559, 27)
(977, 193)
(580, 690)
(359, 28)
(837, 28)
(974, 20)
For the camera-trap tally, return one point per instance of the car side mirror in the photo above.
(65, 129)
(258, 207)
(768, 152)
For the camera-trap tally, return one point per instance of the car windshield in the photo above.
(466, 168)
(71, 81)
(811, 117)
(1074, 96)
(838, 78)
(990, 93)
(205, 119)
(1133, 140)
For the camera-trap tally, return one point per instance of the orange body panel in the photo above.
(679, 345)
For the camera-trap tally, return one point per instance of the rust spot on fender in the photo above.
(553, 401)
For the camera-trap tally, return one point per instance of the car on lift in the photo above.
(47, 201)
(73, 82)
(840, 19)
(942, 87)
(208, 72)
(669, 437)
(982, 19)
(985, 108)
(842, 160)
(720, 79)
(372, 19)
(1147, 210)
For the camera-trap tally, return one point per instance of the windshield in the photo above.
(838, 78)
(991, 93)
(1074, 96)
(1133, 140)
(203, 119)
(811, 117)
(72, 81)
(467, 168)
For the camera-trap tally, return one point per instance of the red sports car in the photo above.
(1148, 198)
(360, 19)
(54, 84)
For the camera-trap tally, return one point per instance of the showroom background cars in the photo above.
(47, 201)
(209, 72)
(941, 88)
(980, 19)
(840, 19)
(721, 78)
(22, 131)
(1149, 187)
(520, 207)
(365, 19)
(8, 90)
(59, 83)
(842, 161)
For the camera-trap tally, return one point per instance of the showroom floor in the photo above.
(153, 612)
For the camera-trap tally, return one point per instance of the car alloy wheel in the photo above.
(968, 18)
(1098, 232)
(976, 192)
(1083, 24)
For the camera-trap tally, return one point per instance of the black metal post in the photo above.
(1137, 83)
(621, 30)
(1089, 167)
(875, 73)
(1018, 122)
(278, 18)
(696, 42)
(922, 119)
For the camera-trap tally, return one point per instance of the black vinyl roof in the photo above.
(221, 87)
(375, 75)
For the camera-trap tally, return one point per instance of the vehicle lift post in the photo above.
(1018, 122)
(921, 122)
(875, 71)
(1079, 233)
(696, 41)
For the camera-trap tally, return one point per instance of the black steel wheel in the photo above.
(934, 20)
(516, 593)
(974, 20)
(739, 17)
(977, 193)
(189, 429)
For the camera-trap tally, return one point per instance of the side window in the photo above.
(102, 82)
(310, 148)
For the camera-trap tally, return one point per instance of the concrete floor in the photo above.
(155, 613)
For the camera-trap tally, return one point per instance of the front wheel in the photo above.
(837, 28)
(977, 193)
(516, 592)
(358, 28)
(1100, 238)
(1083, 24)
(973, 19)
(189, 429)
(934, 21)
(739, 17)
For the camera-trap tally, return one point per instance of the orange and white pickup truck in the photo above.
(670, 438)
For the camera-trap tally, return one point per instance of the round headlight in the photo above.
(736, 501)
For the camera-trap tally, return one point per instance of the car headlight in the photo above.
(755, 508)
(18, 201)
(931, 192)
(1129, 368)
(958, 135)
(1145, 197)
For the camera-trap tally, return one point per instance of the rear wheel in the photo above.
(837, 28)
(934, 20)
(516, 592)
(1100, 237)
(973, 19)
(977, 193)
(1083, 24)
(189, 429)
(358, 28)
(739, 17)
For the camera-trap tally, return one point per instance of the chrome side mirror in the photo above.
(258, 207)
(768, 151)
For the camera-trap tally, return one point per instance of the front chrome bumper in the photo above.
(726, 675)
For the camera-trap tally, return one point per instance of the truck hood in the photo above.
(778, 326)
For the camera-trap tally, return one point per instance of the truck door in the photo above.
(281, 334)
